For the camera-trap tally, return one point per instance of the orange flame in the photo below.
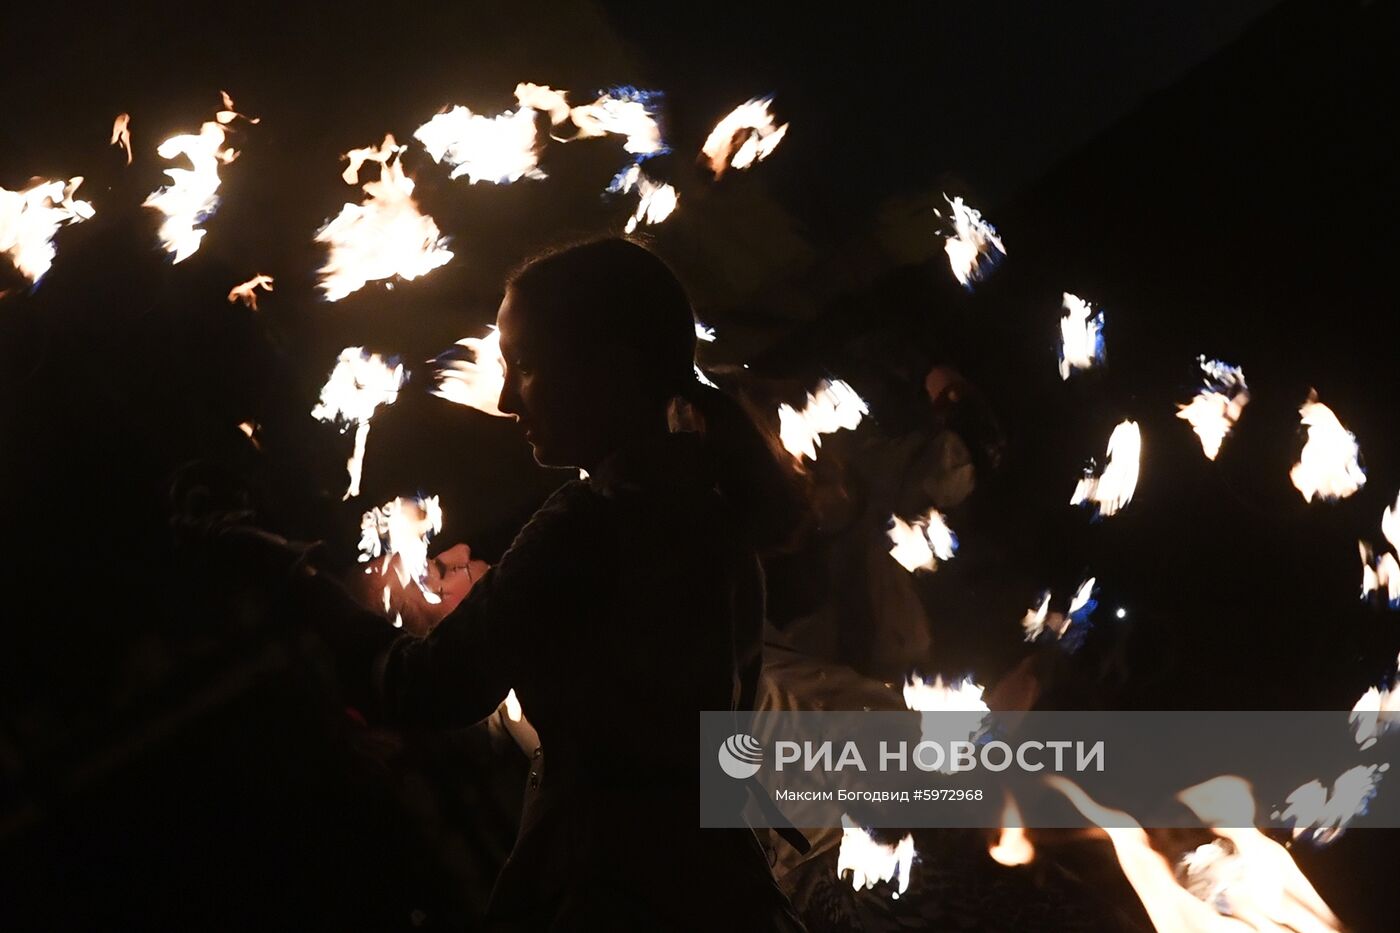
(121, 134)
(247, 291)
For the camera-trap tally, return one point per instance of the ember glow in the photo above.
(383, 236)
(359, 384)
(1112, 489)
(1382, 575)
(121, 134)
(1324, 815)
(500, 149)
(1012, 847)
(834, 406)
(1081, 336)
(655, 200)
(869, 862)
(247, 292)
(29, 219)
(922, 544)
(192, 196)
(1217, 406)
(974, 248)
(476, 383)
(399, 531)
(1328, 468)
(748, 134)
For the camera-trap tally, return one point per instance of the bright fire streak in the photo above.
(1113, 488)
(934, 696)
(30, 218)
(1383, 575)
(703, 333)
(656, 200)
(544, 99)
(870, 862)
(1328, 467)
(192, 196)
(622, 111)
(1081, 336)
(513, 710)
(1012, 847)
(834, 406)
(121, 134)
(974, 249)
(1038, 618)
(359, 384)
(1325, 815)
(745, 136)
(498, 149)
(1375, 713)
(476, 383)
(1217, 406)
(383, 236)
(400, 531)
(247, 291)
(922, 544)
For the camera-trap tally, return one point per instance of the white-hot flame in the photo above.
(1328, 467)
(192, 196)
(704, 334)
(1039, 618)
(500, 149)
(625, 112)
(1217, 406)
(359, 384)
(935, 696)
(1375, 713)
(400, 531)
(1113, 488)
(974, 247)
(655, 200)
(513, 710)
(834, 406)
(476, 383)
(869, 862)
(920, 545)
(1382, 575)
(1312, 809)
(748, 134)
(121, 134)
(1081, 336)
(247, 292)
(383, 236)
(544, 99)
(1012, 847)
(29, 219)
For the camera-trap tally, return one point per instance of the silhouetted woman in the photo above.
(630, 602)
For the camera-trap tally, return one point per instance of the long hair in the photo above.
(618, 299)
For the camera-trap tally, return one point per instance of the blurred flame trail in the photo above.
(247, 291)
(921, 545)
(704, 334)
(30, 218)
(745, 136)
(359, 384)
(121, 134)
(1081, 336)
(498, 149)
(476, 383)
(1012, 847)
(544, 99)
(1242, 881)
(974, 249)
(1383, 575)
(834, 406)
(1328, 467)
(622, 111)
(383, 236)
(192, 196)
(400, 531)
(1325, 816)
(933, 696)
(1217, 406)
(1375, 713)
(1113, 488)
(1039, 618)
(656, 201)
(870, 862)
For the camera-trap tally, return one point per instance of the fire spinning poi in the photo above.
(935, 696)
(869, 862)
(121, 134)
(920, 545)
(246, 292)
(400, 531)
(1081, 336)
(192, 196)
(1382, 575)
(1039, 618)
(974, 248)
(475, 383)
(745, 136)
(655, 202)
(1113, 488)
(1217, 406)
(1013, 847)
(1328, 467)
(1324, 816)
(500, 149)
(383, 236)
(1375, 713)
(834, 406)
(359, 384)
(29, 219)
